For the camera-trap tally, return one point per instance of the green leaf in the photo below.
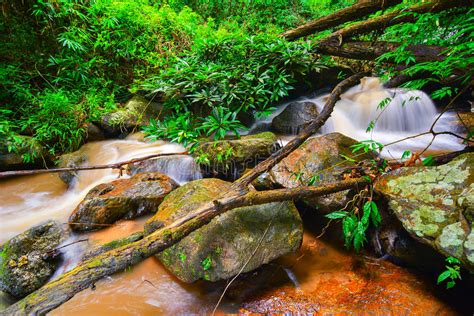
(443, 276)
(336, 215)
(428, 161)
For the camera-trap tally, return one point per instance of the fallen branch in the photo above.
(117, 165)
(312, 128)
(393, 18)
(87, 273)
(372, 50)
(357, 11)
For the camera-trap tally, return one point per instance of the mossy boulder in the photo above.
(221, 248)
(295, 117)
(28, 259)
(320, 160)
(228, 158)
(121, 199)
(436, 205)
(136, 112)
(12, 153)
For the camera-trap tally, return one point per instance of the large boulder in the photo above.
(295, 117)
(318, 161)
(221, 248)
(436, 205)
(136, 112)
(28, 259)
(121, 199)
(12, 153)
(228, 158)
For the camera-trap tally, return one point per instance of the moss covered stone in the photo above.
(27, 260)
(230, 157)
(435, 204)
(221, 248)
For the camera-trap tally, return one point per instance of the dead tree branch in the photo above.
(357, 11)
(117, 165)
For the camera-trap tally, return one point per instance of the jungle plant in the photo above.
(452, 272)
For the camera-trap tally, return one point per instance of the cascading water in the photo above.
(149, 289)
(406, 113)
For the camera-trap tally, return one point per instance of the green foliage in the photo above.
(366, 146)
(452, 272)
(355, 224)
(227, 76)
(451, 29)
(220, 122)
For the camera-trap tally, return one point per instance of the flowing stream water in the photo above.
(320, 277)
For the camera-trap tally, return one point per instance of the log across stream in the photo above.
(319, 277)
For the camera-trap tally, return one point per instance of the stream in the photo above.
(320, 277)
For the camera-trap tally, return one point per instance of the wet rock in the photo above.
(295, 117)
(221, 248)
(318, 161)
(180, 167)
(71, 160)
(135, 113)
(94, 133)
(228, 158)
(28, 260)
(11, 154)
(436, 205)
(121, 199)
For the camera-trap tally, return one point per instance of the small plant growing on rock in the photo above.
(452, 272)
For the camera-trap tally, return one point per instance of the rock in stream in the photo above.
(121, 199)
(221, 248)
(28, 259)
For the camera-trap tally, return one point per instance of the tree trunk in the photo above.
(357, 11)
(392, 18)
(370, 51)
(87, 273)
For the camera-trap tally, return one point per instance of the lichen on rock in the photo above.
(435, 205)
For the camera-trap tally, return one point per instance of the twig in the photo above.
(117, 165)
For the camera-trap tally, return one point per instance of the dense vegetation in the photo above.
(65, 63)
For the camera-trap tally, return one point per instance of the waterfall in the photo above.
(406, 113)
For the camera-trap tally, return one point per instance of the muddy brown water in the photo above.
(321, 278)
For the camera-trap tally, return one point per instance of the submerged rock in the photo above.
(230, 157)
(318, 161)
(121, 199)
(295, 117)
(181, 168)
(71, 160)
(221, 248)
(28, 259)
(436, 205)
(137, 111)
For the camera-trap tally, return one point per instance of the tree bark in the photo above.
(372, 50)
(357, 11)
(87, 273)
(393, 18)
